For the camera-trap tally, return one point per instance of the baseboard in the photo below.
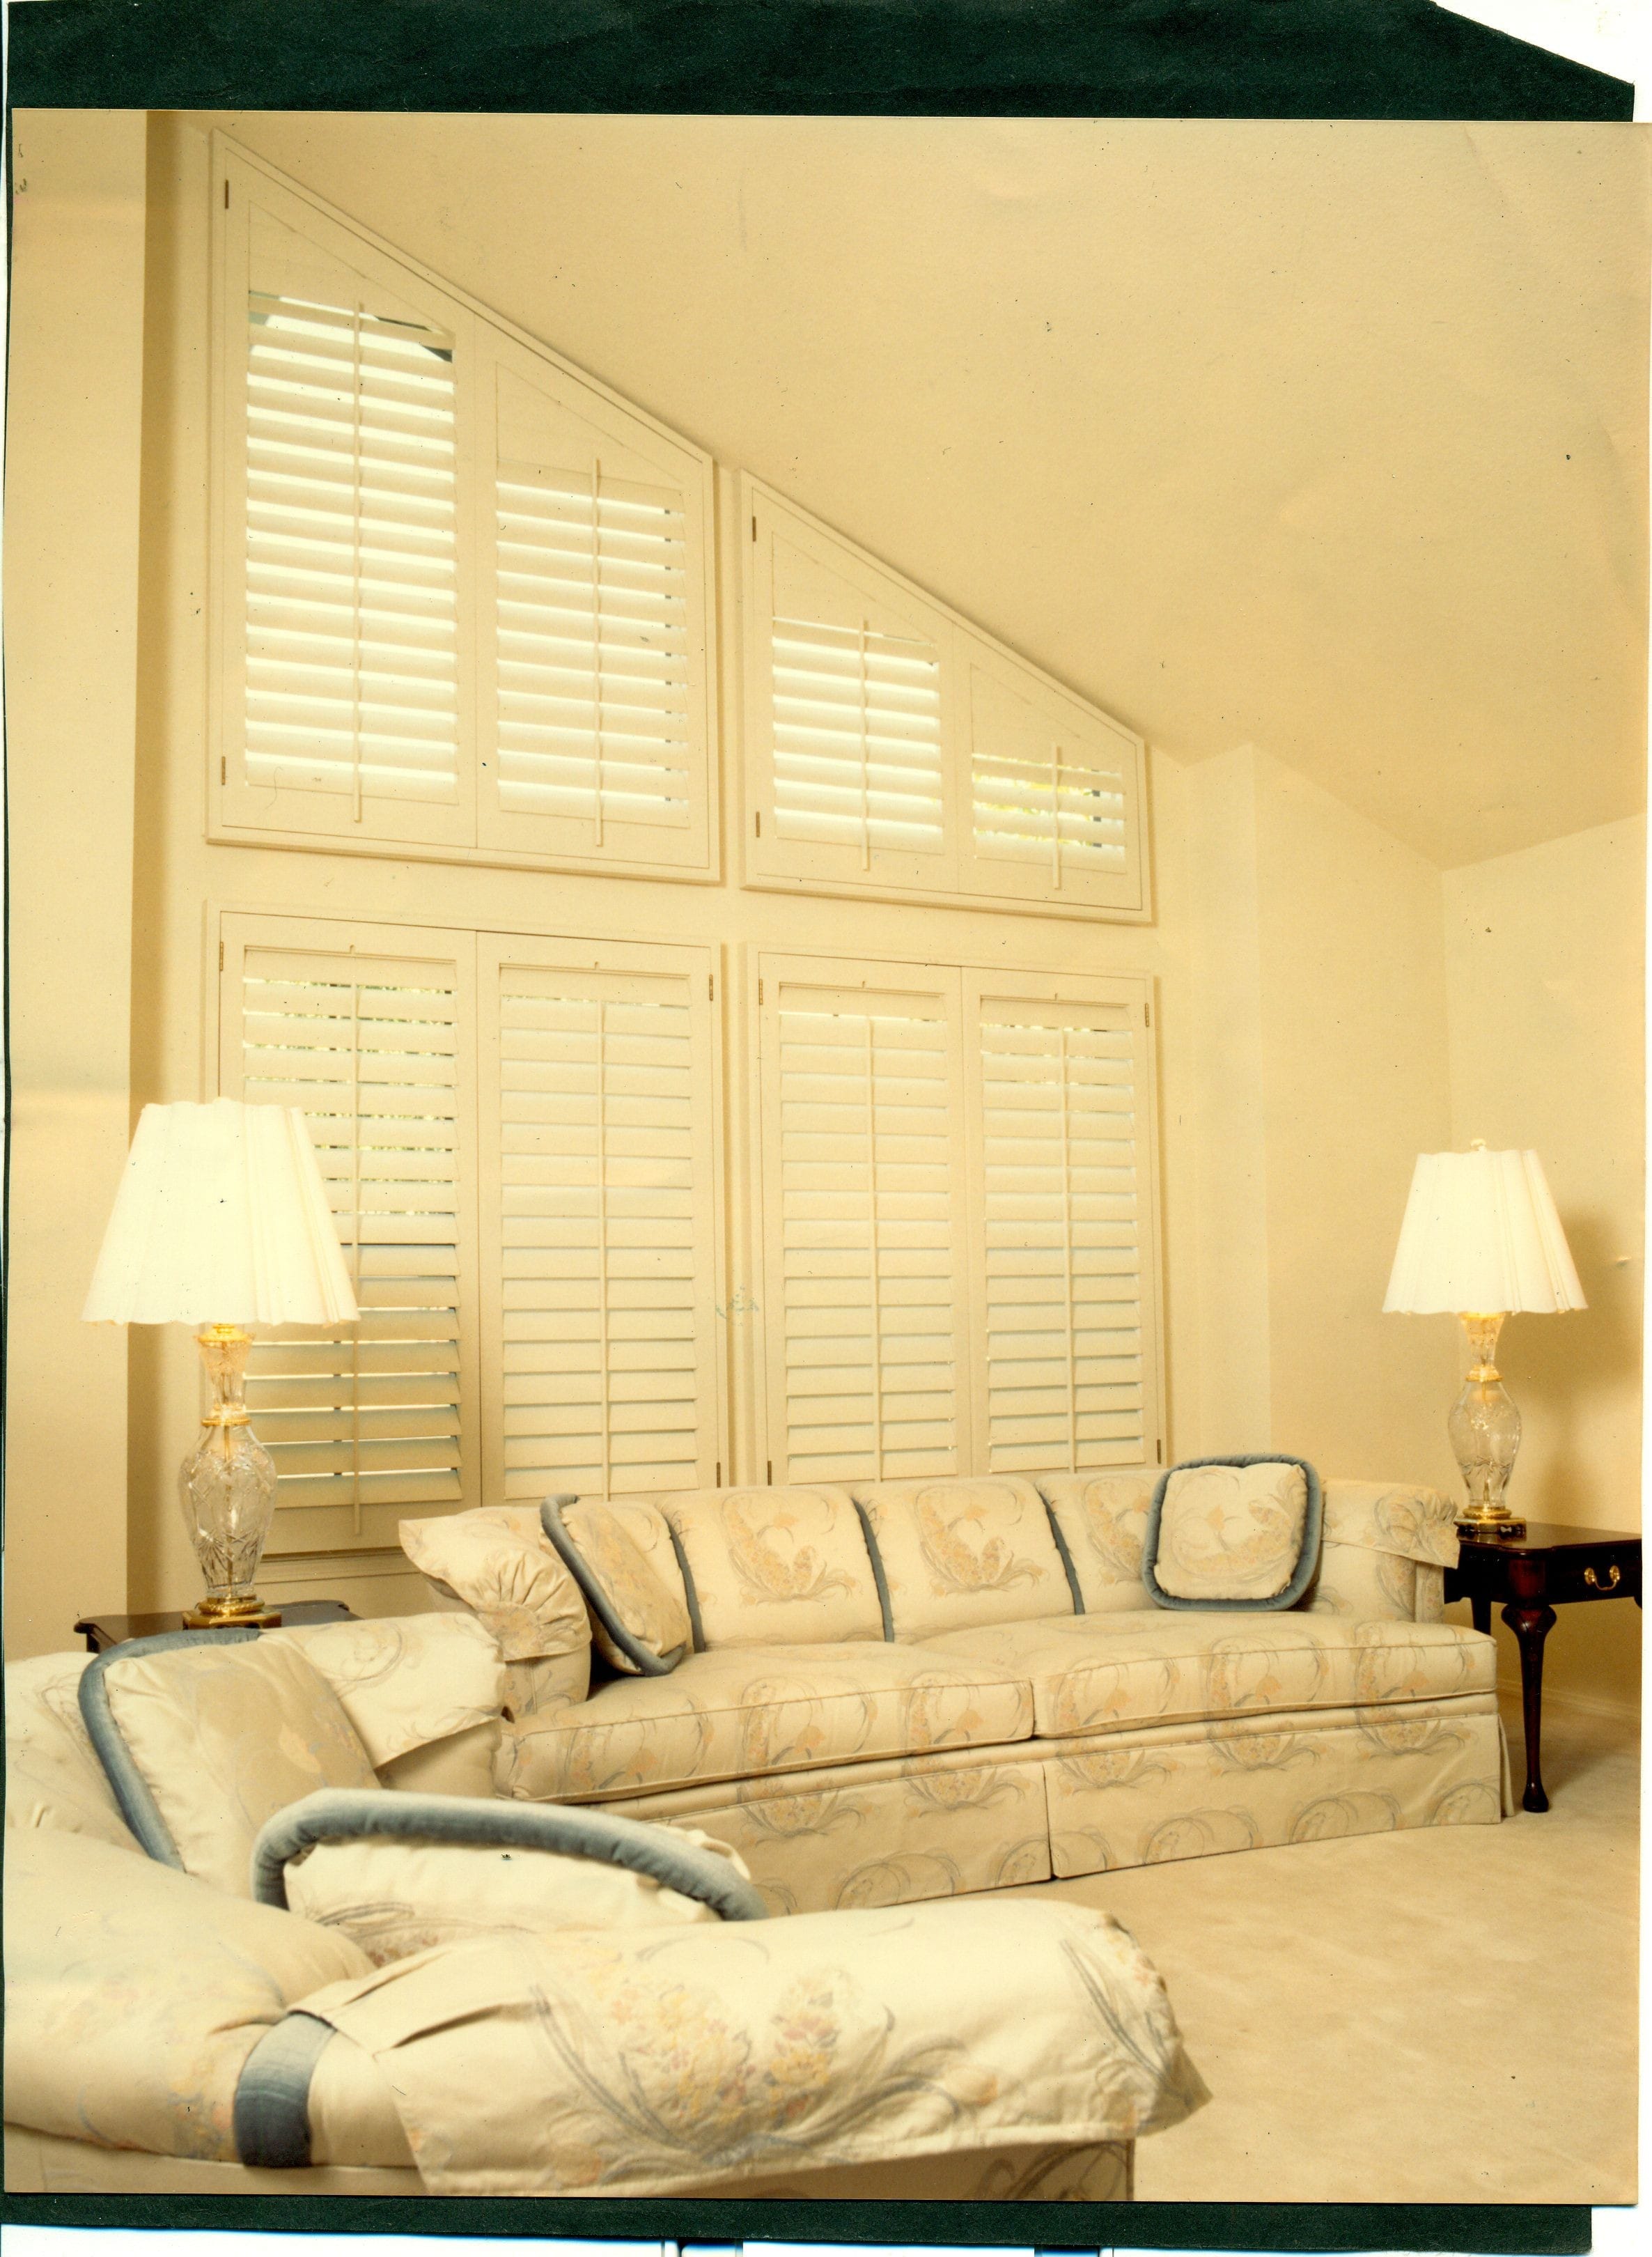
(1587, 1704)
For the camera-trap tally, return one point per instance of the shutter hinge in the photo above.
(757, 823)
(760, 991)
(753, 520)
(1147, 1014)
(1158, 1452)
(718, 1483)
(769, 1469)
(221, 956)
(226, 192)
(223, 767)
(711, 986)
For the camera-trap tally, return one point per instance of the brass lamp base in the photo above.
(1490, 1528)
(245, 1613)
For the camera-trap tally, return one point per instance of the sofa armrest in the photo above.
(1403, 1518)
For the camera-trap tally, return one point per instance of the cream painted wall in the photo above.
(73, 430)
(1544, 951)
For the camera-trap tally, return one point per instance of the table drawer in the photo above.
(1608, 1573)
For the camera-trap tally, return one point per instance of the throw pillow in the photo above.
(496, 1561)
(1232, 1532)
(642, 1627)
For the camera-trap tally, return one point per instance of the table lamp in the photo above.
(222, 1220)
(1481, 1239)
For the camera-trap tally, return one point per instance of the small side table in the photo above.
(1551, 1565)
(101, 1631)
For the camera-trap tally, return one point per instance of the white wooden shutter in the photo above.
(371, 1422)
(847, 671)
(1054, 787)
(343, 682)
(1062, 1226)
(865, 1323)
(597, 719)
(601, 1196)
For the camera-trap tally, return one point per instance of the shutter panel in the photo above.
(601, 1193)
(596, 625)
(370, 1422)
(344, 681)
(1054, 792)
(866, 1327)
(847, 671)
(1065, 1259)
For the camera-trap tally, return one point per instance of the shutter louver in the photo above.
(606, 1193)
(857, 738)
(861, 1175)
(1069, 1332)
(366, 1419)
(593, 690)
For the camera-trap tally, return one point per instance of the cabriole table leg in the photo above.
(1531, 1625)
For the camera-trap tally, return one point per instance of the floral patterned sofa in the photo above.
(908, 1689)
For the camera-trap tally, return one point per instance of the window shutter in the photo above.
(344, 681)
(866, 1327)
(371, 1422)
(1064, 1241)
(596, 625)
(602, 1196)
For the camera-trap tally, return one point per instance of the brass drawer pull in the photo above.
(1614, 1575)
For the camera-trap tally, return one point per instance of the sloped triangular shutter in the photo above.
(1064, 1226)
(594, 623)
(342, 676)
(601, 1196)
(866, 1325)
(373, 1422)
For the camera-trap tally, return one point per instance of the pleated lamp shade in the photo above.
(221, 1219)
(1480, 1233)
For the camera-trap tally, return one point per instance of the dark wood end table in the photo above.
(101, 1631)
(1549, 1565)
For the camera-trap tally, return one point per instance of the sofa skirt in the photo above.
(901, 1830)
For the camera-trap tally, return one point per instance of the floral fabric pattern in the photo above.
(961, 1552)
(777, 1566)
(406, 1680)
(1102, 1518)
(651, 1612)
(499, 1562)
(645, 2063)
(1373, 1585)
(1231, 1531)
(742, 1714)
(1414, 1524)
(53, 1778)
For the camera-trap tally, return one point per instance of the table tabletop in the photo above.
(102, 1630)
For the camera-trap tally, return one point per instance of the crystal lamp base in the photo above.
(227, 1490)
(1485, 1431)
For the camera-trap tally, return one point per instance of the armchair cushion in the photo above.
(1232, 1532)
(53, 1778)
(407, 1681)
(642, 1624)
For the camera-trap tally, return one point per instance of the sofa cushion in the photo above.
(1102, 1519)
(499, 1562)
(1098, 1672)
(640, 1622)
(407, 1681)
(1393, 1517)
(742, 1712)
(776, 1566)
(956, 1551)
(1232, 1532)
(206, 1733)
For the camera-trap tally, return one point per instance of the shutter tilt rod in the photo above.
(866, 755)
(597, 635)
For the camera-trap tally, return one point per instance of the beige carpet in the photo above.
(1448, 2015)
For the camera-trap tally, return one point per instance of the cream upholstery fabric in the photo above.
(1251, 1782)
(463, 1765)
(1231, 1531)
(748, 1711)
(550, 1682)
(1416, 1523)
(634, 2064)
(406, 1680)
(1104, 1520)
(650, 1609)
(498, 1560)
(53, 1778)
(128, 2021)
(225, 1735)
(777, 1566)
(1152, 1667)
(396, 1898)
(1374, 1586)
(957, 1552)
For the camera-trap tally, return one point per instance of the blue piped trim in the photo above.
(1307, 1559)
(271, 2115)
(878, 1575)
(127, 1784)
(343, 1814)
(648, 1664)
(1067, 1568)
(691, 1596)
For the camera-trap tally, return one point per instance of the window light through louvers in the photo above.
(603, 1390)
(1063, 1239)
(867, 1252)
(1058, 808)
(592, 648)
(367, 1414)
(857, 738)
(352, 678)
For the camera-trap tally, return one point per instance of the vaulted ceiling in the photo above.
(1325, 437)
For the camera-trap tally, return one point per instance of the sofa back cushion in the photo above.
(205, 1735)
(640, 1619)
(1101, 1519)
(956, 1551)
(776, 1566)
